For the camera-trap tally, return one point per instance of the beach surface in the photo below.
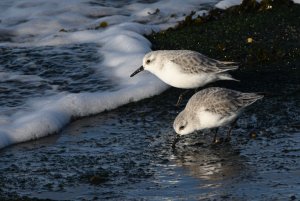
(75, 126)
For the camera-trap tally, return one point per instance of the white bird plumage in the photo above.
(185, 68)
(212, 107)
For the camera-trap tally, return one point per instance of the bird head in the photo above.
(149, 63)
(184, 124)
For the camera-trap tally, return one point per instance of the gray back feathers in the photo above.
(221, 101)
(194, 62)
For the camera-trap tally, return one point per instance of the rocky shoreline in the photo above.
(263, 38)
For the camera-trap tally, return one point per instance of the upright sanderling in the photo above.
(211, 108)
(185, 69)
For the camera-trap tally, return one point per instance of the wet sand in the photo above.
(126, 154)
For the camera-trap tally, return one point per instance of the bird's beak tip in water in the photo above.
(137, 71)
(176, 139)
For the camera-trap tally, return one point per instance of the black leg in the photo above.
(181, 97)
(215, 136)
(228, 138)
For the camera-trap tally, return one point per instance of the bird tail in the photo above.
(227, 65)
(226, 76)
(249, 98)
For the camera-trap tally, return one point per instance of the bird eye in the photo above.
(181, 128)
(148, 61)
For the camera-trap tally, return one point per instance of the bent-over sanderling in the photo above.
(211, 108)
(185, 69)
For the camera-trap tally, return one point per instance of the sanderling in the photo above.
(185, 69)
(212, 108)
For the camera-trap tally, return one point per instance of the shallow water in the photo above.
(126, 154)
(29, 72)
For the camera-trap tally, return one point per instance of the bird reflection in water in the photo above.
(205, 162)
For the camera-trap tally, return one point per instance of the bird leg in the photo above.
(181, 97)
(176, 139)
(228, 138)
(215, 136)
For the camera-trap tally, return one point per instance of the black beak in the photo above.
(137, 71)
(177, 138)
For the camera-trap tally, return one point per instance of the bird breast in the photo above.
(211, 120)
(172, 75)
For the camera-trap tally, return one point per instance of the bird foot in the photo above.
(217, 141)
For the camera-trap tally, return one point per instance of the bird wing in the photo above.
(221, 102)
(226, 102)
(194, 62)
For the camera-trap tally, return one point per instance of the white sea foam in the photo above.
(224, 4)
